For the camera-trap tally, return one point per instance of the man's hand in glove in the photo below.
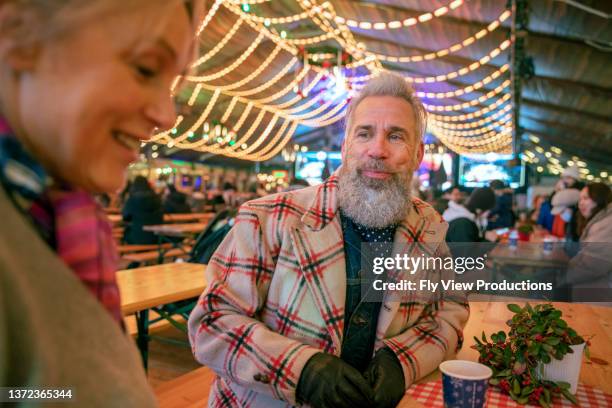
(386, 377)
(328, 382)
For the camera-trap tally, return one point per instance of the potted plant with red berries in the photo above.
(521, 360)
(524, 232)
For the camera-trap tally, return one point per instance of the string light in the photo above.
(232, 66)
(209, 16)
(467, 89)
(219, 45)
(473, 102)
(451, 49)
(298, 110)
(475, 114)
(463, 71)
(367, 25)
(471, 125)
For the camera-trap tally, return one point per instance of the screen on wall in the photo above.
(314, 167)
(480, 170)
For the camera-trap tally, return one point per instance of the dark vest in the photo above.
(361, 317)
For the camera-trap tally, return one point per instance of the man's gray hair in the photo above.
(390, 84)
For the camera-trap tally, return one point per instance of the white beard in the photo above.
(374, 203)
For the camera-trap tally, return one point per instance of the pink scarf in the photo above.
(85, 243)
(69, 219)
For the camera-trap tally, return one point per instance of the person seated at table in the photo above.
(82, 84)
(501, 215)
(454, 203)
(143, 207)
(565, 205)
(175, 202)
(283, 320)
(595, 221)
(466, 223)
(591, 267)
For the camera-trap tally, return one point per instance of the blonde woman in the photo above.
(82, 84)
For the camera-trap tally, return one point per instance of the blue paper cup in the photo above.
(464, 383)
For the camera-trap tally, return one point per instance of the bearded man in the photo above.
(283, 321)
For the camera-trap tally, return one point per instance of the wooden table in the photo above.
(191, 390)
(176, 230)
(200, 217)
(586, 319)
(150, 287)
(171, 218)
(530, 254)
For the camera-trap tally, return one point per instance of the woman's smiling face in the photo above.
(92, 95)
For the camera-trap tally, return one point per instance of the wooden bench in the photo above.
(117, 232)
(187, 391)
(123, 249)
(153, 256)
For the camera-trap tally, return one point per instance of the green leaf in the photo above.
(546, 395)
(494, 381)
(563, 385)
(553, 341)
(516, 387)
(527, 390)
(514, 308)
(547, 347)
(543, 402)
(504, 373)
(523, 400)
(546, 359)
(507, 356)
(478, 341)
(569, 396)
(561, 323)
(484, 337)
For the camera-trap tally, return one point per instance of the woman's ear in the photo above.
(19, 52)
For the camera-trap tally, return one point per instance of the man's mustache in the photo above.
(377, 165)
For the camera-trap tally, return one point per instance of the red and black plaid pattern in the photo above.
(276, 294)
(430, 395)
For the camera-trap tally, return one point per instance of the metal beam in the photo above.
(565, 109)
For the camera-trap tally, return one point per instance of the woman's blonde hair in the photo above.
(39, 20)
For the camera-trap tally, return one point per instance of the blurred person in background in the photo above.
(454, 203)
(570, 177)
(468, 223)
(142, 207)
(595, 206)
(175, 201)
(589, 273)
(545, 217)
(501, 215)
(82, 85)
(565, 205)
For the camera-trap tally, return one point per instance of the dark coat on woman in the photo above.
(176, 203)
(141, 208)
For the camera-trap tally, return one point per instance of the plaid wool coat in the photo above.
(276, 294)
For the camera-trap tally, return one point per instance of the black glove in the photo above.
(328, 382)
(386, 377)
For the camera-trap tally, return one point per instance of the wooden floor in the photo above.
(169, 361)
